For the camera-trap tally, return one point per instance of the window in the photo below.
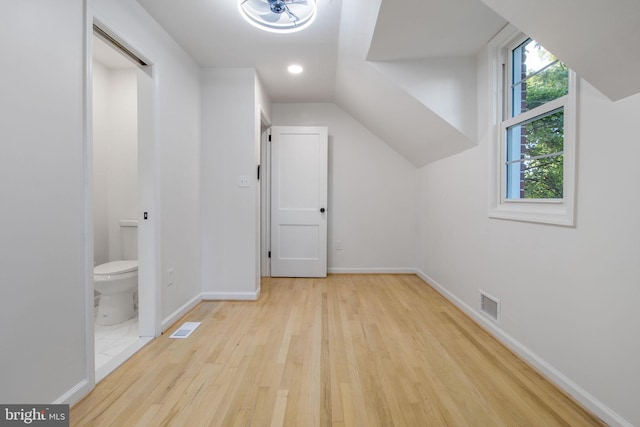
(533, 161)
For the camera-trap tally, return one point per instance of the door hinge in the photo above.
(258, 172)
(269, 254)
(269, 138)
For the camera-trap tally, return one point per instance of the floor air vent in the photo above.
(185, 330)
(490, 306)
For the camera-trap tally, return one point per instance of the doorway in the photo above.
(122, 173)
(299, 182)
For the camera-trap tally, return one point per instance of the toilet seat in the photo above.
(116, 282)
(115, 267)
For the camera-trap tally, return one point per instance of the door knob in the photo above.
(321, 210)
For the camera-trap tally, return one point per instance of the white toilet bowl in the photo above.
(116, 281)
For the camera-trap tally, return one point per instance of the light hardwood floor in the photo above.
(350, 350)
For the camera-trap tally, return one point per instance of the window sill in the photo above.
(541, 213)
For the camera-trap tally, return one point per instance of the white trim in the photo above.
(265, 196)
(589, 401)
(231, 296)
(149, 195)
(528, 116)
(168, 321)
(538, 211)
(86, 385)
(365, 270)
(74, 394)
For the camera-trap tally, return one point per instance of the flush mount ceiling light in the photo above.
(295, 69)
(278, 16)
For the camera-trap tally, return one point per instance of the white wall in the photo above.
(100, 88)
(115, 158)
(176, 117)
(123, 156)
(45, 260)
(390, 100)
(263, 100)
(230, 229)
(372, 192)
(42, 253)
(569, 295)
(447, 86)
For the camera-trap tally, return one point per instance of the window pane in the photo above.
(536, 57)
(537, 77)
(543, 178)
(534, 161)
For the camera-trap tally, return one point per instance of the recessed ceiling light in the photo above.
(278, 16)
(295, 69)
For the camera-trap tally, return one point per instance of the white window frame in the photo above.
(546, 211)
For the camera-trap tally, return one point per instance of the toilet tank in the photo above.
(129, 232)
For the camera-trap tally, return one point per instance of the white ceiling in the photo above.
(215, 35)
(356, 50)
(338, 53)
(426, 29)
(598, 39)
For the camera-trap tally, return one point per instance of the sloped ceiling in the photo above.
(423, 108)
(414, 29)
(367, 56)
(395, 116)
(406, 70)
(598, 39)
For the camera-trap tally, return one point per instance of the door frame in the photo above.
(148, 187)
(265, 195)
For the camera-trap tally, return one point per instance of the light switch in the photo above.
(244, 181)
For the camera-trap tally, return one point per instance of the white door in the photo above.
(299, 201)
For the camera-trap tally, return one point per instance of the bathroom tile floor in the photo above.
(112, 340)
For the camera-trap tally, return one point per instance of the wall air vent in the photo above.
(490, 306)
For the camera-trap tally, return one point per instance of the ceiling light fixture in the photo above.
(278, 16)
(295, 69)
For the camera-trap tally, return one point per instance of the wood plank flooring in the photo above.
(350, 350)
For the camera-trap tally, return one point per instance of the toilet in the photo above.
(117, 281)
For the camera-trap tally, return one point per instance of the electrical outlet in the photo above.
(243, 181)
(170, 276)
(338, 245)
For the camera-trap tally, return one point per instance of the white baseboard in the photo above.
(389, 270)
(75, 394)
(176, 315)
(231, 296)
(566, 384)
